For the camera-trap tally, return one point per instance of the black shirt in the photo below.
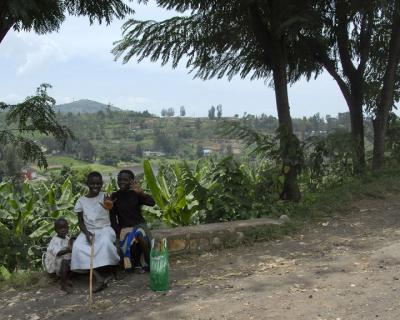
(126, 210)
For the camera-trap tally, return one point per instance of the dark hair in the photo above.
(94, 174)
(128, 172)
(58, 221)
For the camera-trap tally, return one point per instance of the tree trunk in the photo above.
(3, 31)
(354, 99)
(357, 127)
(274, 53)
(385, 102)
(379, 125)
(290, 189)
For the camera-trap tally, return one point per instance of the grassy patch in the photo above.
(65, 161)
(25, 278)
(338, 199)
(57, 162)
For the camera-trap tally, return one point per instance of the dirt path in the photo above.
(345, 267)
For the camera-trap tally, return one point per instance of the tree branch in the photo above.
(330, 67)
(343, 40)
(365, 40)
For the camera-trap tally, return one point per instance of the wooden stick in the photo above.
(91, 271)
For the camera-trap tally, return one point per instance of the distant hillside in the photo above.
(84, 106)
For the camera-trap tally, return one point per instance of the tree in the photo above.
(45, 16)
(219, 111)
(383, 78)
(164, 112)
(344, 55)
(211, 113)
(199, 151)
(170, 112)
(139, 150)
(86, 150)
(34, 116)
(360, 48)
(182, 111)
(197, 124)
(10, 164)
(260, 38)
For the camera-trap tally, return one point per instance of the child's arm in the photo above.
(63, 251)
(145, 199)
(83, 228)
(114, 218)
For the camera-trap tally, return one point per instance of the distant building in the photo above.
(153, 153)
(207, 152)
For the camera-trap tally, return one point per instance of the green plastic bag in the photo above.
(159, 269)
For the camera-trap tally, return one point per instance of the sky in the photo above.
(78, 63)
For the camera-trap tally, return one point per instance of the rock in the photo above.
(217, 242)
(284, 218)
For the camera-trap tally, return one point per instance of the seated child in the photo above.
(128, 222)
(58, 255)
(96, 232)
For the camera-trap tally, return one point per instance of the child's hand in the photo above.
(89, 236)
(107, 203)
(136, 187)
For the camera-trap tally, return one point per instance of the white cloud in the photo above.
(40, 54)
(12, 98)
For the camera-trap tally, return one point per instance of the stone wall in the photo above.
(218, 235)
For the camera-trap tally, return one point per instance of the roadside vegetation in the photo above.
(216, 168)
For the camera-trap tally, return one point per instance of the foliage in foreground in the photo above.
(211, 191)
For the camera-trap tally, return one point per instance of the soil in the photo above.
(342, 267)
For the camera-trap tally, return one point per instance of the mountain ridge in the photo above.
(84, 106)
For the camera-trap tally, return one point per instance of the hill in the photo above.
(84, 106)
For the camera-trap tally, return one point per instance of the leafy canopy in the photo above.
(223, 38)
(24, 121)
(44, 16)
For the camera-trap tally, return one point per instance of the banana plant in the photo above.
(17, 207)
(180, 201)
(52, 208)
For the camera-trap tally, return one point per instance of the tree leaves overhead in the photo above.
(217, 39)
(28, 119)
(44, 16)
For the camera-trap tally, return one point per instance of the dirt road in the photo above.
(344, 267)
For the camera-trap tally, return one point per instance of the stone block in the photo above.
(176, 245)
(216, 242)
(194, 245)
(204, 244)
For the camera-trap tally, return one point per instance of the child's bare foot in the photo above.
(65, 287)
(99, 286)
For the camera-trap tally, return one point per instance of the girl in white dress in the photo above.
(94, 222)
(58, 254)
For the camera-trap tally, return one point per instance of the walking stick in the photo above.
(91, 271)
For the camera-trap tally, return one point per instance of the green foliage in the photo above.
(223, 39)
(45, 16)
(33, 116)
(328, 160)
(393, 139)
(26, 220)
(180, 202)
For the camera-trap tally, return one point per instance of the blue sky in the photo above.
(78, 63)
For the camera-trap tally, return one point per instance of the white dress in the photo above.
(52, 263)
(97, 221)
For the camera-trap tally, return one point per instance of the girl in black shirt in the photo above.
(128, 222)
